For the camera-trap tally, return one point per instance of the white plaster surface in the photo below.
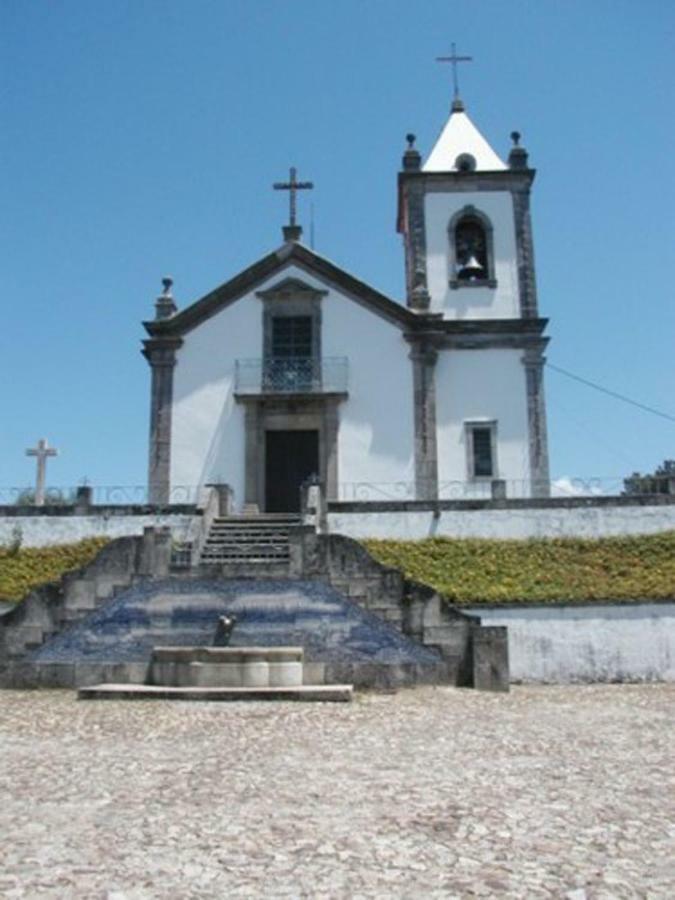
(375, 439)
(472, 302)
(608, 642)
(475, 386)
(207, 429)
(375, 421)
(601, 521)
(460, 135)
(42, 531)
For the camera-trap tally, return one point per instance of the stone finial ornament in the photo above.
(165, 306)
(411, 158)
(518, 154)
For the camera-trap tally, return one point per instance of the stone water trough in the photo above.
(252, 667)
(223, 673)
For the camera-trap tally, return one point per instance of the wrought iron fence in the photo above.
(589, 486)
(100, 495)
(141, 495)
(291, 375)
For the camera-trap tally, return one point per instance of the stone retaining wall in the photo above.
(54, 606)
(606, 642)
(416, 609)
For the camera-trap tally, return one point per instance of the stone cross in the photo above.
(454, 59)
(42, 451)
(293, 185)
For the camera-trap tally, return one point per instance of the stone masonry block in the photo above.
(432, 612)
(490, 658)
(79, 592)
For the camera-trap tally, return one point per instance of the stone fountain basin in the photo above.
(227, 666)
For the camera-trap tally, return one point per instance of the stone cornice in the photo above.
(479, 334)
(161, 350)
(246, 281)
(499, 180)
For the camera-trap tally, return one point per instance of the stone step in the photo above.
(253, 540)
(260, 517)
(284, 527)
(238, 556)
(325, 693)
(243, 546)
(257, 561)
(232, 534)
(244, 553)
(248, 569)
(235, 540)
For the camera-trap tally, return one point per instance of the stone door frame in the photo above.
(296, 413)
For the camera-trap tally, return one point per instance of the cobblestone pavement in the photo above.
(545, 792)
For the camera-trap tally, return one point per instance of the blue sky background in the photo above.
(141, 138)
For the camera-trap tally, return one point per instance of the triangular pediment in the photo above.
(259, 274)
(291, 287)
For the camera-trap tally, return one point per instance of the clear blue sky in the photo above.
(142, 138)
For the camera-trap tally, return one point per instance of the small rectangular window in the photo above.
(292, 337)
(481, 448)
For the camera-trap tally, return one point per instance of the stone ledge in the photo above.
(384, 506)
(328, 693)
(12, 510)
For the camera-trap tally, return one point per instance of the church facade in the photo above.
(295, 368)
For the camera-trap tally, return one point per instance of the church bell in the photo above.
(471, 269)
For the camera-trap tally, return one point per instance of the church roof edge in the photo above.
(291, 252)
(412, 323)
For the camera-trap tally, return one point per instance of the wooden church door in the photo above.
(290, 458)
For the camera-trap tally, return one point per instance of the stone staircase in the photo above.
(260, 541)
(286, 584)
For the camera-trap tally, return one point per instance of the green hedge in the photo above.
(542, 570)
(22, 569)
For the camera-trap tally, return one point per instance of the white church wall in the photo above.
(207, 441)
(600, 642)
(375, 438)
(553, 521)
(472, 302)
(475, 386)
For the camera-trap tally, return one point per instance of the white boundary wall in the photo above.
(583, 522)
(42, 531)
(602, 642)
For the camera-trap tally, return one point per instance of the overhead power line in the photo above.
(617, 396)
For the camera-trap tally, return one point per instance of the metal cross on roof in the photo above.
(454, 59)
(42, 452)
(293, 185)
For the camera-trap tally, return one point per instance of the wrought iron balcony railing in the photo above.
(291, 375)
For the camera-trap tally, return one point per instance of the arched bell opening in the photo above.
(471, 250)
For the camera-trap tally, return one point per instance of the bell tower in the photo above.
(464, 215)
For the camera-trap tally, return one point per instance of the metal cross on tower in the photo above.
(293, 185)
(454, 59)
(42, 452)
